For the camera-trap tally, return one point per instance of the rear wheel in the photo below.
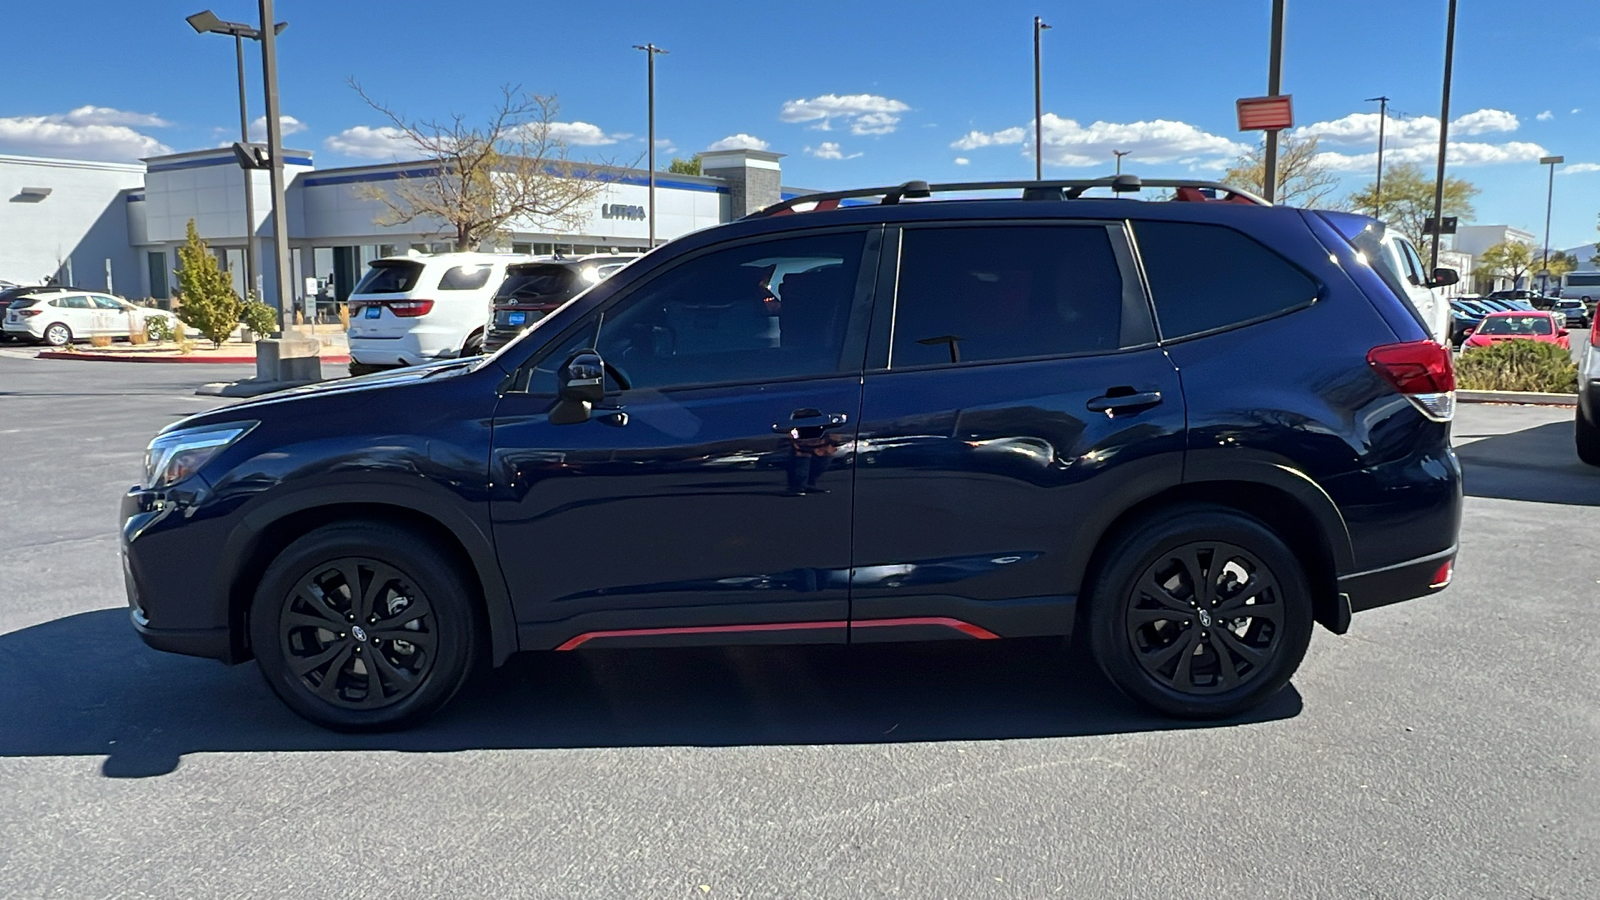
(363, 626)
(1200, 612)
(1587, 435)
(474, 344)
(58, 335)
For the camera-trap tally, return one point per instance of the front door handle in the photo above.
(1116, 401)
(810, 423)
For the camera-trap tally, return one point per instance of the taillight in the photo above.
(1421, 370)
(410, 309)
(29, 312)
(1594, 329)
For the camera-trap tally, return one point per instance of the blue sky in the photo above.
(856, 93)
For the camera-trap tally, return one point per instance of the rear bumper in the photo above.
(405, 350)
(1399, 582)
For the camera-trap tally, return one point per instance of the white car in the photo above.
(59, 317)
(1401, 265)
(414, 309)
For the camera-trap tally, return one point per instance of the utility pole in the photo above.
(1444, 134)
(1119, 155)
(249, 179)
(1383, 116)
(650, 51)
(283, 301)
(1038, 103)
(1550, 193)
(1269, 178)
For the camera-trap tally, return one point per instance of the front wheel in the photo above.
(58, 335)
(363, 626)
(1200, 612)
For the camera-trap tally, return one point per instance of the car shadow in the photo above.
(85, 685)
(1539, 465)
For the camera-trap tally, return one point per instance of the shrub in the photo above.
(1523, 365)
(99, 340)
(136, 335)
(157, 328)
(259, 318)
(344, 316)
(209, 303)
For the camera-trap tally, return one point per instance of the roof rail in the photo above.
(1071, 189)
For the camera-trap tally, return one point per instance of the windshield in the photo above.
(537, 281)
(1516, 325)
(390, 276)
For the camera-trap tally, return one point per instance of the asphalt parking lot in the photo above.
(1447, 747)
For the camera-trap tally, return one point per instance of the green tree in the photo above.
(1595, 259)
(208, 302)
(1407, 201)
(1302, 179)
(1559, 264)
(1509, 259)
(690, 166)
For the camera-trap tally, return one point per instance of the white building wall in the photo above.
(83, 221)
(1475, 239)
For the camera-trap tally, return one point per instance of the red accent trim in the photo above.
(700, 629)
(1442, 577)
(967, 628)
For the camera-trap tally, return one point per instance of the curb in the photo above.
(1526, 398)
(141, 358)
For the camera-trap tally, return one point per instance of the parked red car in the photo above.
(1522, 325)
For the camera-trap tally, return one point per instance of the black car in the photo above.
(1181, 431)
(533, 290)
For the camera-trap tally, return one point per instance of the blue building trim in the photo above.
(393, 174)
(135, 198)
(219, 161)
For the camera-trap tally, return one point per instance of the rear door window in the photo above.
(465, 278)
(1206, 277)
(389, 277)
(986, 293)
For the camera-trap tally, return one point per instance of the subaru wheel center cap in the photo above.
(1205, 618)
(357, 632)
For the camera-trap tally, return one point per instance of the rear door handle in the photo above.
(1112, 404)
(811, 419)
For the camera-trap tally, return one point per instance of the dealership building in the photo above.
(118, 226)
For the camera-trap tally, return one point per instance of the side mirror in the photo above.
(580, 385)
(1444, 277)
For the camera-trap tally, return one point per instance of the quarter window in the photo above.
(758, 312)
(977, 294)
(1204, 277)
(464, 278)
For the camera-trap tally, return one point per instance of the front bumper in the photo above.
(170, 602)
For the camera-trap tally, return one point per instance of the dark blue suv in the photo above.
(1183, 431)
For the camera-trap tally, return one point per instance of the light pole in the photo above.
(650, 51)
(1550, 193)
(1377, 189)
(205, 22)
(1119, 155)
(1038, 103)
(1269, 173)
(1444, 131)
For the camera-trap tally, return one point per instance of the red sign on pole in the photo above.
(1265, 113)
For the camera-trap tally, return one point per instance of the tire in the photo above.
(301, 608)
(474, 345)
(1148, 570)
(57, 334)
(357, 368)
(1586, 435)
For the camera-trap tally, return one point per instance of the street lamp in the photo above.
(650, 51)
(1444, 134)
(206, 22)
(1038, 103)
(1550, 192)
(1119, 154)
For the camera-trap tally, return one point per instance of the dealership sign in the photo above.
(621, 211)
(1265, 113)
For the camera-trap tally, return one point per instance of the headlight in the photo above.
(175, 456)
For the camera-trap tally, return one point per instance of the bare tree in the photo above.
(513, 167)
(1302, 179)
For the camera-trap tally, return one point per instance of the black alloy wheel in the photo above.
(1199, 611)
(365, 626)
(1205, 618)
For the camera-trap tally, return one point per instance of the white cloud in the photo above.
(1576, 110)
(88, 132)
(1361, 129)
(1579, 168)
(581, 134)
(1066, 143)
(1545, 116)
(740, 141)
(962, 160)
(383, 142)
(830, 150)
(1459, 153)
(286, 124)
(864, 113)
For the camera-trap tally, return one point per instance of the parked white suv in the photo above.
(415, 309)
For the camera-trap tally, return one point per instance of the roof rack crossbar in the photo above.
(1070, 189)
